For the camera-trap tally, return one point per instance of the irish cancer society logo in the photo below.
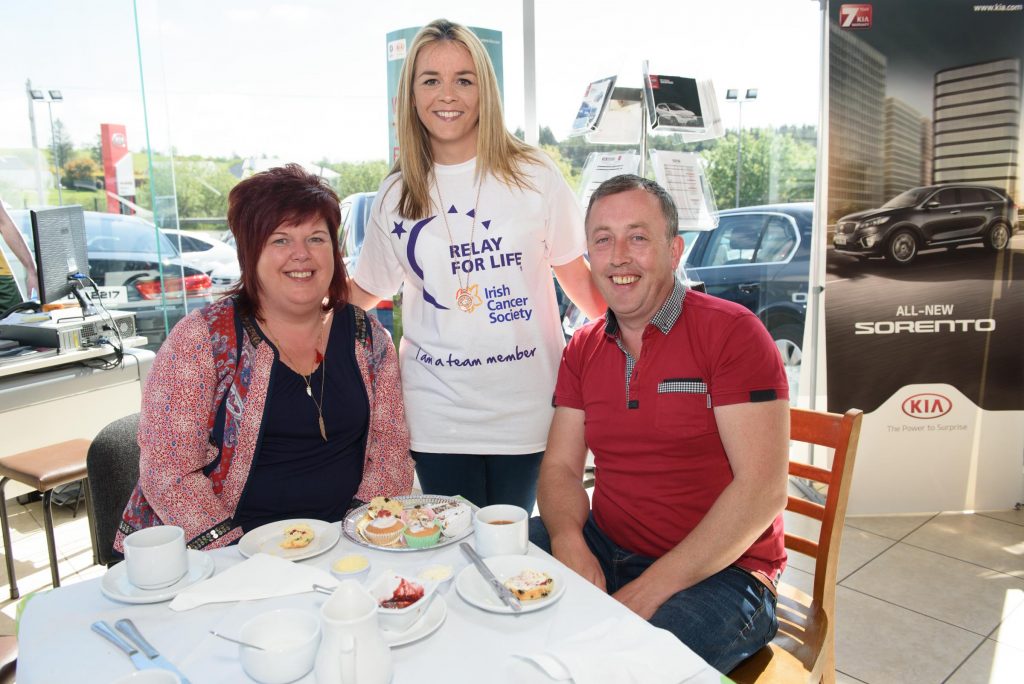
(926, 406)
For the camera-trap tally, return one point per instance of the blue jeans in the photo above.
(724, 619)
(484, 480)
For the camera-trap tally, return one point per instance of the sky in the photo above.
(305, 80)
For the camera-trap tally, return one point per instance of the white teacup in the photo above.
(155, 557)
(501, 530)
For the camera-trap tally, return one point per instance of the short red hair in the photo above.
(282, 196)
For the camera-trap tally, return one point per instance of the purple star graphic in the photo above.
(399, 230)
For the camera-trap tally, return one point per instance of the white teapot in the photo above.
(352, 650)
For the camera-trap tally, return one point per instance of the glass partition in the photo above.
(210, 92)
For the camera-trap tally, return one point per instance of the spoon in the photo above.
(323, 590)
(236, 641)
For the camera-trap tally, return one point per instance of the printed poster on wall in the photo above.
(397, 44)
(924, 286)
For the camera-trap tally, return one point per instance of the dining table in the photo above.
(471, 645)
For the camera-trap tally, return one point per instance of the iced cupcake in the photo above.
(384, 530)
(422, 534)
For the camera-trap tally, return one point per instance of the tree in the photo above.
(359, 176)
(82, 169)
(96, 151)
(61, 147)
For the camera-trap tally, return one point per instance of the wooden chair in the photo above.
(804, 648)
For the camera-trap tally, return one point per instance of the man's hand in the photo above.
(576, 555)
(646, 593)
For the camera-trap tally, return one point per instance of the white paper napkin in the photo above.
(619, 651)
(261, 576)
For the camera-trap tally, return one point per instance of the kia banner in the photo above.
(924, 261)
(118, 171)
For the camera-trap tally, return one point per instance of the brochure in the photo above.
(600, 167)
(682, 175)
(595, 99)
(673, 103)
(622, 119)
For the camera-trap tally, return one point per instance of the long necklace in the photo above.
(318, 359)
(466, 297)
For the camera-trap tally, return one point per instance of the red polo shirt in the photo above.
(658, 454)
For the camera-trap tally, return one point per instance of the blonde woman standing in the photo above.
(470, 223)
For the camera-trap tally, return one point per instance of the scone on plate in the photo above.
(530, 585)
(297, 536)
(383, 503)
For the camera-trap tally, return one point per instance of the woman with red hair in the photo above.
(281, 400)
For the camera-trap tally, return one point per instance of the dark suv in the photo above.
(931, 216)
(760, 257)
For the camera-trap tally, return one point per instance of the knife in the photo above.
(128, 628)
(503, 592)
(140, 661)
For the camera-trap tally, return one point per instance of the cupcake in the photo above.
(422, 534)
(417, 514)
(384, 530)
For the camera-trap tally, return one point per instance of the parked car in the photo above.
(126, 257)
(203, 248)
(760, 257)
(931, 216)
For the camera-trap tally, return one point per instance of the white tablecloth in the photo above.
(56, 644)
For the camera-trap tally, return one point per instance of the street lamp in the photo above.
(733, 95)
(49, 97)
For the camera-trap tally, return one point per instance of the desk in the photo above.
(76, 356)
(55, 643)
(59, 399)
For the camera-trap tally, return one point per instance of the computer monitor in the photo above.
(58, 236)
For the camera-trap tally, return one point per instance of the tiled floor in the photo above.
(925, 598)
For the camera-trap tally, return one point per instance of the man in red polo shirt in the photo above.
(683, 399)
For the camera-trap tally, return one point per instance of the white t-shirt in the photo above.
(477, 382)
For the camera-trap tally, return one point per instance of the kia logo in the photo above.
(119, 140)
(925, 406)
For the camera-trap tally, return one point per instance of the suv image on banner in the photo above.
(932, 216)
(760, 257)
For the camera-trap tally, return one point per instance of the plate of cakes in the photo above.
(409, 523)
(291, 539)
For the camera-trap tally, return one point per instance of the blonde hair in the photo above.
(498, 152)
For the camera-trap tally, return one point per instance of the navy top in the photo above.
(295, 474)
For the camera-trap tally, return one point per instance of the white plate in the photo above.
(476, 591)
(350, 524)
(424, 627)
(267, 539)
(115, 584)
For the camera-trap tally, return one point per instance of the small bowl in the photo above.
(290, 639)
(438, 574)
(351, 566)
(399, 619)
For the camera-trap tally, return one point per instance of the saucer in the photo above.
(267, 539)
(115, 584)
(424, 627)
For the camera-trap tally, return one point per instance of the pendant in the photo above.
(309, 391)
(467, 298)
(323, 430)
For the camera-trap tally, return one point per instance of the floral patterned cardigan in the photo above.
(202, 408)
